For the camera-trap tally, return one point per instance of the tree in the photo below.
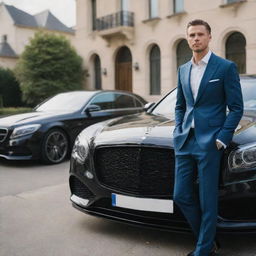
(48, 65)
(10, 93)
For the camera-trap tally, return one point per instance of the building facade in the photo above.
(18, 27)
(138, 45)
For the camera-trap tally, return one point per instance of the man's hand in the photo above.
(219, 145)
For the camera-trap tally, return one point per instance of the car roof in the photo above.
(97, 91)
(245, 76)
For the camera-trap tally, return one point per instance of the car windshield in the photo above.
(249, 93)
(66, 102)
(167, 106)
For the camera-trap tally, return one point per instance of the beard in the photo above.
(199, 50)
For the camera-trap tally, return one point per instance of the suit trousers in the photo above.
(196, 190)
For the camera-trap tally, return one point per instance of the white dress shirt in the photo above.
(197, 72)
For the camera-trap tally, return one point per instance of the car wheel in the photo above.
(54, 147)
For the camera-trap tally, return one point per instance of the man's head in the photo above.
(198, 35)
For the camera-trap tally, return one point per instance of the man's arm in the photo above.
(180, 107)
(234, 101)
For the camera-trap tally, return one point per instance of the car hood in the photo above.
(27, 118)
(154, 130)
(138, 129)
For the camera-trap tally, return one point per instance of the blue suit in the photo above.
(197, 157)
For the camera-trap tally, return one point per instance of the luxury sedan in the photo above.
(123, 169)
(49, 131)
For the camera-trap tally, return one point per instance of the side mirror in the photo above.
(148, 106)
(93, 108)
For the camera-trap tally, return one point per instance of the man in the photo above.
(207, 85)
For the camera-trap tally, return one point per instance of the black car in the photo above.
(123, 169)
(49, 131)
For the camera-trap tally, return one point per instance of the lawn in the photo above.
(11, 111)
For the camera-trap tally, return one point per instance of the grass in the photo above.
(11, 111)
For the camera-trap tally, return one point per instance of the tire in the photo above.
(55, 147)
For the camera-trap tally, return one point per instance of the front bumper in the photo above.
(23, 148)
(161, 223)
(97, 200)
(100, 205)
(135, 218)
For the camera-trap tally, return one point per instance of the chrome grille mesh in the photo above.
(139, 170)
(3, 134)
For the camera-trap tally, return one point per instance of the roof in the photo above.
(44, 19)
(6, 50)
(47, 20)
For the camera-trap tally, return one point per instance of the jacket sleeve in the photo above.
(234, 102)
(180, 107)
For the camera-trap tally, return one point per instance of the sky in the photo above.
(64, 10)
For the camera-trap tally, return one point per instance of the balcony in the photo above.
(120, 24)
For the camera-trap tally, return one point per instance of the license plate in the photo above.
(143, 204)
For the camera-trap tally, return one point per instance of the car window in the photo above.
(124, 101)
(249, 93)
(167, 106)
(66, 102)
(104, 101)
(138, 104)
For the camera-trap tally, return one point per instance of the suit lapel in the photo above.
(209, 71)
(187, 81)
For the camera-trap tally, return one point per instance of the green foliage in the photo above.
(48, 65)
(11, 111)
(10, 93)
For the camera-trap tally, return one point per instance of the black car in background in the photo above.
(123, 169)
(49, 131)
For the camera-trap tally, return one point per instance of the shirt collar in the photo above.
(204, 60)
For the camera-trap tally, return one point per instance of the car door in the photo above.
(100, 108)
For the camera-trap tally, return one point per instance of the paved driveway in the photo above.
(36, 219)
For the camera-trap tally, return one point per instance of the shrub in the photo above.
(48, 65)
(10, 93)
(11, 111)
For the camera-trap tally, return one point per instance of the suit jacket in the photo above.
(219, 88)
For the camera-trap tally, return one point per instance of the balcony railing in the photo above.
(122, 18)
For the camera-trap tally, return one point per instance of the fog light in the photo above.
(79, 200)
(89, 175)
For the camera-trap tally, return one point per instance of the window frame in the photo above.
(154, 89)
(151, 5)
(94, 15)
(174, 5)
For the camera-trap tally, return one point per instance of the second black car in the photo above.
(48, 132)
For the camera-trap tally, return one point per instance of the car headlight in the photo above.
(243, 159)
(80, 149)
(24, 130)
(81, 146)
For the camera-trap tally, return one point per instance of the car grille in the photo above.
(79, 189)
(3, 134)
(142, 171)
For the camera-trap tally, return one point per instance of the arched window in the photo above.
(235, 50)
(183, 52)
(97, 73)
(155, 71)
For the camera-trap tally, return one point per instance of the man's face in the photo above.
(198, 38)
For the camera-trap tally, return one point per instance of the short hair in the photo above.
(199, 22)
